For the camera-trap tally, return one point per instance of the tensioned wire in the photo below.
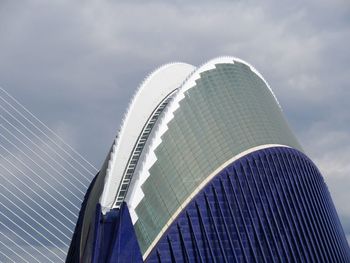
(32, 228)
(38, 166)
(28, 215)
(31, 170)
(25, 241)
(19, 247)
(38, 147)
(26, 205)
(35, 183)
(9, 248)
(52, 132)
(30, 235)
(44, 169)
(5, 254)
(41, 140)
(40, 197)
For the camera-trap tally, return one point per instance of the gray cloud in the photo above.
(75, 64)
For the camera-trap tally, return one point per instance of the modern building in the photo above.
(206, 169)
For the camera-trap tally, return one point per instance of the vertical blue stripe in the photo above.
(269, 206)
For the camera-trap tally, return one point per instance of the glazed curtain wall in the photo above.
(229, 110)
(269, 206)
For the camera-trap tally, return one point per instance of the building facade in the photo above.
(206, 169)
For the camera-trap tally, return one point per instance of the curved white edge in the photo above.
(135, 193)
(229, 60)
(201, 186)
(150, 93)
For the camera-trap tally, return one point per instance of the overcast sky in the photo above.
(76, 64)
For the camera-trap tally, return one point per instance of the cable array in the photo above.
(42, 184)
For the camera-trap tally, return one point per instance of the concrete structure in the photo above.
(206, 169)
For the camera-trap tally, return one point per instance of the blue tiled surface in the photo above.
(269, 206)
(114, 238)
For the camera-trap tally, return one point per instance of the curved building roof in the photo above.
(152, 92)
(184, 175)
(203, 119)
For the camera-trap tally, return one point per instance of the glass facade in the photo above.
(227, 182)
(229, 110)
(269, 206)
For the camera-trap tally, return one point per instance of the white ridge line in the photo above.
(40, 139)
(19, 208)
(33, 210)
(15, 233)
(38, 147)
(9, 248)
(30, 169)
(201, 186)
(31, 227)
(42, 168)
(64, 225)
(71, 148)
(36, 183)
